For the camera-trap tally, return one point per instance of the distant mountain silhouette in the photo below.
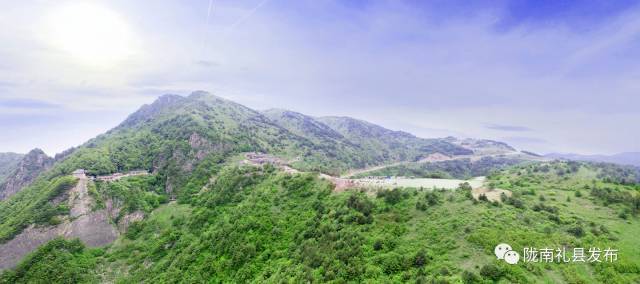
(626, 158)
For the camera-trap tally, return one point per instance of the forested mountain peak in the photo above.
(197, 151)
(301, 124)
(149, 111)
(482, 146)
(352, 127)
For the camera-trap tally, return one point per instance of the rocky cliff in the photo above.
(31, 165)
(93, 227)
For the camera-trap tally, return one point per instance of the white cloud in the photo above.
(388, 62)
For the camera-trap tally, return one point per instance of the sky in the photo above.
(544, 76)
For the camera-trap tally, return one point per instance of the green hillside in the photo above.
(376, 139)
(367, 143)
(261, 225)
(210, 218)
(175, 137)
(460, 168)
(185, 130)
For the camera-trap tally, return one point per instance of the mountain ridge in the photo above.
(233, 194)
(623, 158)
(25, 172)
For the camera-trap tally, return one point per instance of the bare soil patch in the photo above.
(491, 194)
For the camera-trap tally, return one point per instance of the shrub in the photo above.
(491, 271)
(393, 263)
(391, 196)
(577, 231)
(420, 259)
(623, 215)
(543, 207)
(361, 204)
(378, 245)
(464, 186)
(432, 198)
(514, 202)
(470, 277)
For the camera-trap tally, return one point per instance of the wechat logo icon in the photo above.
(504, 251)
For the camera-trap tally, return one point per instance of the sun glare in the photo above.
(90, 34)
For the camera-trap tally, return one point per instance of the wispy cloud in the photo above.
(433, 67)
(206, 63)
(512, 128)
(26, 104)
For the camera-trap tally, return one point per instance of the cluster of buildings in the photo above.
(81, 173)
(262, 159)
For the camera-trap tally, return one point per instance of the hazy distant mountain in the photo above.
(364, 143)
(376, 138)
(483, 146)
(8, 163)
(626, 158)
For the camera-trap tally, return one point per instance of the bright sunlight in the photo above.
(90, 34)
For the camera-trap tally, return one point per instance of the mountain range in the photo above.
(174, 139)
(174, 134)
(198, 188)
(626, 158)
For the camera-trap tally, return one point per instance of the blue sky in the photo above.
(545, 76)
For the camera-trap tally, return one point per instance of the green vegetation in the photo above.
(143, 193)
(35, 205)
(176, 136)
(59, 261)
(259, 224)
(236, 224)
(458, 169)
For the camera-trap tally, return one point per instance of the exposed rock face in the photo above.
(201, 146)
(34, 163)
(128, 219)
(113, 208)
(25, 242)
(94, 228)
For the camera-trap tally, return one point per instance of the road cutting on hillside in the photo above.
(374, 184)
